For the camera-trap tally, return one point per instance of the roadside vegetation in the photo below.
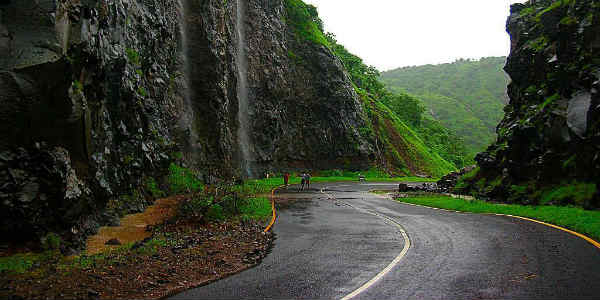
(574, 218)
(201, 205)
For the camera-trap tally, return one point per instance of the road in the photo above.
(336, 237)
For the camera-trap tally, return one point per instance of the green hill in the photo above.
(466, 96)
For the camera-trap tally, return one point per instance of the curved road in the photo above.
(334, 238)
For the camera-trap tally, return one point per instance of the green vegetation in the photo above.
(577, 193)
(256, 208)
(403, 146)
(466, 96)
(262, 186)
(304, 20)
(78, 86)
(142, 91)
(152, 187)
(365, 78)
(556, 4)
(218, 203)
(18, 263)
(410, 145)
(182, 180)
(577, 219)
(133, 56)
(539, 44)
(51, 241)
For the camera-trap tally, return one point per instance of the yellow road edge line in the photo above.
(273, 209)
(586, 238)
(391, 265)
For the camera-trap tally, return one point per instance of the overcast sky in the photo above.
(394, 33)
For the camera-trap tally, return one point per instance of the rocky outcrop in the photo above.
(548, 146)
(449, 181)
(88, 103)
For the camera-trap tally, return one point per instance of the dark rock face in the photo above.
(303, 110)
(550, 134)
(89, 100)
(306, 113)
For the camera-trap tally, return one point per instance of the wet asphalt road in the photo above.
(329, 244)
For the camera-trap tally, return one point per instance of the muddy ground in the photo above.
(176, 257)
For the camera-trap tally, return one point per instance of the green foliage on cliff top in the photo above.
(304, 20)
(365, 78)
(467, 96)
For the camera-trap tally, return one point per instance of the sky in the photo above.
(389, 34)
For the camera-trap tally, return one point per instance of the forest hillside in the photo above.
(467, 96)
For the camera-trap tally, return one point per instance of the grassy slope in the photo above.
(583, 221)
(466, 96)
(402, 147)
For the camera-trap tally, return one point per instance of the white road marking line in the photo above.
(390, 266)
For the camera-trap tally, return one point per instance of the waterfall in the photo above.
(186, 121)
(242, 91)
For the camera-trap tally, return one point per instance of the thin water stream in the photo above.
(186, 121)
(242, 91)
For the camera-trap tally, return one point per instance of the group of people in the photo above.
(305, 180)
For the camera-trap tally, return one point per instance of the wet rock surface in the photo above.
(303, 110)
(88, 94)
(551, 129)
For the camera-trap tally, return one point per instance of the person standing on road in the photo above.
(307, 176)
(302, 182)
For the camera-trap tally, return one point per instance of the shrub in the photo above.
(153, 188)
(576, 193)
(51, 241)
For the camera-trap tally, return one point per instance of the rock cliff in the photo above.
(89, 95)
(303, 111)
(98, 97)
(548, 146)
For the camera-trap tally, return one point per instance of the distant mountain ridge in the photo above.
(467, 96)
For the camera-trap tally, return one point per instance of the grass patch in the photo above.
(19, 263)
(182, 180)
(584, 221)
(257, 208)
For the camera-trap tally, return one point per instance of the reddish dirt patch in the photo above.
(133, 227)
(194, 255)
